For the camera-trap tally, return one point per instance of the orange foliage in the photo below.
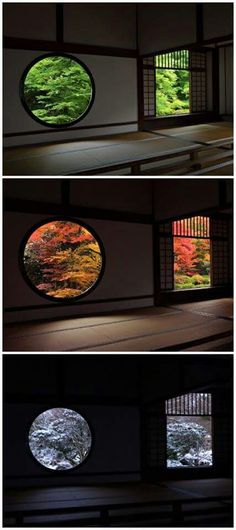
(62, 259)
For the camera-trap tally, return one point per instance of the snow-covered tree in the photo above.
(60, 438)
(187, 443)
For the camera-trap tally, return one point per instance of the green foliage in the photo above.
(172, 92)
(57, 90)
(191, 282)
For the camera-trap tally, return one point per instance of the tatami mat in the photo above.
(140, 492)
(37, 328)
(171, 338)
(91, 155)
(125, 493)
(138, 330)
(79, 156)
(206, 133)
(17, 153)
(222, 307)
(133, 502)
(204, 487)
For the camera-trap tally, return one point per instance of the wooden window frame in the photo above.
(195, 65)
(216, 232)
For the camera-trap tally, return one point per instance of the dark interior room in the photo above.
(118, 273)
(118, 264)
(129, 88)
(132, 469)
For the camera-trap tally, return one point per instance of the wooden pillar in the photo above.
(135, 168)
(177, 515)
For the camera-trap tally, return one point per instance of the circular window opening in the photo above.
(62, 259)
(57, 90)
(60, 439)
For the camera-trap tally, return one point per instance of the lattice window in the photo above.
(149, 91)
(149, 61)
(198, 97)
(198, 91)
(189, 404)
(165, 228)
(166, 256)
(179, 60)
(219, 228)
(155, 436)
(166, 263)
(189, 430)
(214, 236)
(220, 252)
(193, 62)
(197, 226)
(220, 268)
(197, 60)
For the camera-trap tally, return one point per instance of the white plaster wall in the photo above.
(193, 194)
(166, 25)
(96, 24)
(114, 194)
(111, 426)
(34, 189)
(115, 98)
(128, 270)
(218, 19)
(30, 20)
(101, 24)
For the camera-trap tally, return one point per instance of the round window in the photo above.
(60, 439)
(57, 90)
(62, 259)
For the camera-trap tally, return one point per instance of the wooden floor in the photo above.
(171, 503)
(115, 152)
(200, 326)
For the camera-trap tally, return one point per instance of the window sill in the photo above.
(192, 289)
(210, 288)
(170, 116)
(181, 468)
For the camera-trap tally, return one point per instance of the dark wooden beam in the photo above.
(60, 23)
(17, 43)
(212, 212)
(68, 129)
(68, 400)
(140, 94)
(139, 74)
(155, 248)
(29, 206)
(179, 121)
(207, 386)
(199, 21)
(77, 305)
(193, 45)
(215, 81)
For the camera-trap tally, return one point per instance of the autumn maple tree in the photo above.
(191, 256)
(62, 259)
